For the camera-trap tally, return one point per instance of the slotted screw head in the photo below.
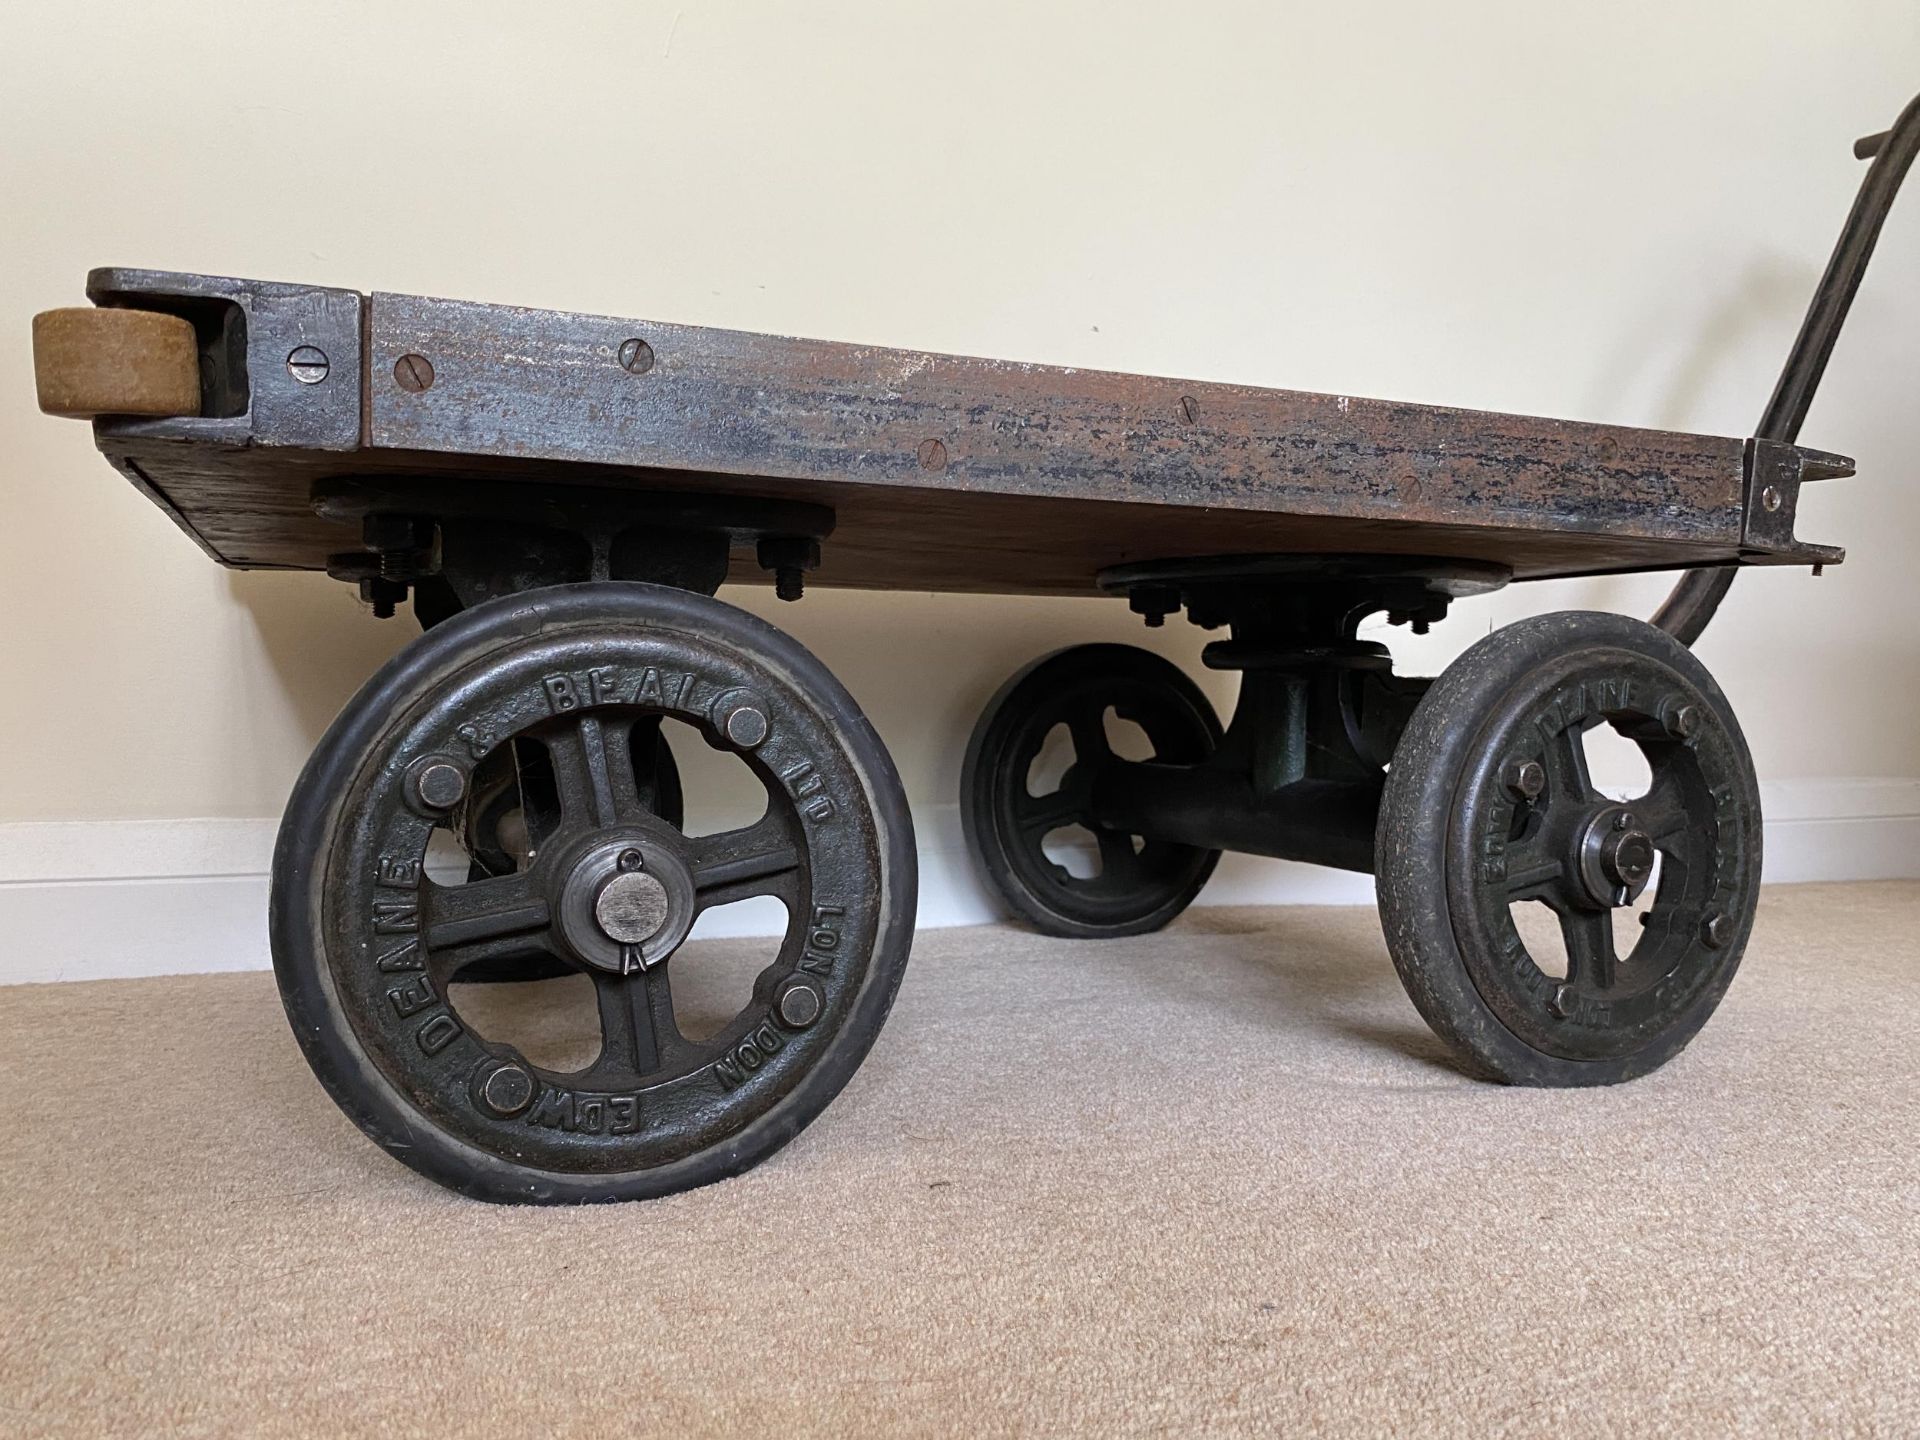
(636, 356)
(307, 364)
(413, 373)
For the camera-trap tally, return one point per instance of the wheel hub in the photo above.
(1615, 857)
(626, 904)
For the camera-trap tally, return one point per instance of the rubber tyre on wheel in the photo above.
(358, 927)
(1458, 843)
(1141, 888)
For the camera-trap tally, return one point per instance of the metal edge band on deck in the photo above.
(280, 364)
(465, 378)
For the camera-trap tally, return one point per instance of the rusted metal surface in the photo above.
(946, 472)
(541, 385)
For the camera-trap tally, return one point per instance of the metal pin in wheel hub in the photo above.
(631, 907)
(626, 904)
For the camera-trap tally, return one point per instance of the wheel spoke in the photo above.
(1119, 861)
(760, 859)
(482, 910)
(1567, 778)
(1590, 956)
(593, 771)
(1065, 806)
(1661, 812)
(638, 1033)
(1087, 723)
(1532, 873)
(481, 920)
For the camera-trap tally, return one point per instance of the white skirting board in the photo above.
(88, 900)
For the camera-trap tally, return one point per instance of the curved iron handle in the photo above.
(1699, 592)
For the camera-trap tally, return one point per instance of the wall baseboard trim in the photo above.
(96, 899)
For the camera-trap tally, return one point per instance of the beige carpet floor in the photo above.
(1219, 1180)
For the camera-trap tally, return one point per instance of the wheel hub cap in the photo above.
(631, 907)
(626, 905)
(1615, 857)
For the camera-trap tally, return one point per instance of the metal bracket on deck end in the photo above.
(1775, 471)
(279, 364)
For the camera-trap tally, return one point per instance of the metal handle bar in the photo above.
(1699, 592)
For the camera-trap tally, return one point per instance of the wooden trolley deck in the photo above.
(945, 473)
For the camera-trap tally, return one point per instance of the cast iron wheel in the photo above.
(1489, 803)
(1140, 885)
(366, 942)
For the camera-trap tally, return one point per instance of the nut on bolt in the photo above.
(1681, 721)
(788, 557)
(1154, 602)
(1717, 929)
(1525, 779)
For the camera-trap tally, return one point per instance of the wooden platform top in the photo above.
(946, 472)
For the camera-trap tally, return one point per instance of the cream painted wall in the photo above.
(1606, 212)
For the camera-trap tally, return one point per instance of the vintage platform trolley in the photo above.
(560, 496)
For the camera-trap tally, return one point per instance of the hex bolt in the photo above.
(307, 364)
(413, 373)
(799, 1005)
(438, 784)
(507, 1090)
(1525, 779)
(1682, 721)
(1563, 1001)
(1716, 929)
(933, 455)
(1623, 820)
(1154, 603)
(636, 356)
